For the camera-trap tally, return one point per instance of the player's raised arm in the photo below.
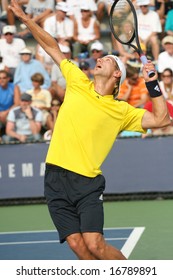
(159, 116)
(47, 42)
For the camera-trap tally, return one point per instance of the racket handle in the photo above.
(144, 61)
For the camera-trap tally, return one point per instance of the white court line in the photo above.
(132, 241)
(48, 241)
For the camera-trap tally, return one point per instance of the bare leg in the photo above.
(78, 246)
(100, 249)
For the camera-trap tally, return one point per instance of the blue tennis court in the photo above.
(44, 245)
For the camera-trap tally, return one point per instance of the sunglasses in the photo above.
(85, 11)
(8, 34)
(3, 78)
(97, 51)
(166, 76)
(143, 6)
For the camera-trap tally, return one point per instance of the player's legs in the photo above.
(78, 246)
(100, 249)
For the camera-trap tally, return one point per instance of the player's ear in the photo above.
(117, 74)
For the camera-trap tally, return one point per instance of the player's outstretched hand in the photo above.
(149, 66)
(16, 9)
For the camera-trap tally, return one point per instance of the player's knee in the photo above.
(75, 241)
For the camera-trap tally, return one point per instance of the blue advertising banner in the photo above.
(134, 165)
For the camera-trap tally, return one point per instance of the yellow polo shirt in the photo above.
(88, 124)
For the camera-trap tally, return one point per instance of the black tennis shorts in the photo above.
(75, 202)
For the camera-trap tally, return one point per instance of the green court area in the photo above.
(155, 216)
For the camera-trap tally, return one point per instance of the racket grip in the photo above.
(144, 61)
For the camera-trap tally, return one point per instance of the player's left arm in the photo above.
(159, 117)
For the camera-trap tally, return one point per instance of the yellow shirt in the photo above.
(88, 124)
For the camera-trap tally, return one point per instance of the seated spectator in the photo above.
(165, 59)
(10, 48)
(28, 67)
(86, 30)
(38, 10)
(59, 25)
(126, 52)
(51, 119)
(23, 122)
(58, 84)
(74, 7)
(166, 84)
(169, 23)
(96, 52)
(9, 96)
(84, 66)
(133, 89)
(44, 58)
(149, 26)
(41, 98)
(10, 15)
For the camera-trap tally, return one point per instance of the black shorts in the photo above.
(75, 202)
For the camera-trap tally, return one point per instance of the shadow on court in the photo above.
(44, 245)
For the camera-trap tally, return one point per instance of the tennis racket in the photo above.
(124, 27)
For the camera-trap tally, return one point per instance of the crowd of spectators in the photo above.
(31, 85)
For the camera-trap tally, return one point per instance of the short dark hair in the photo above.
(38, 77)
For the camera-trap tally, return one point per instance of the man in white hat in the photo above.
(10, 48)
(165, 59)
(149, 26)
(59, 25)
(88, 123)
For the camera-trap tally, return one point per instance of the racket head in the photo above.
(124, 25)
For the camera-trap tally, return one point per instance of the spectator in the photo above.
(74, 7)
(10, 48)
(102, 6)
(166, 84)
(86, 30)
(38, 10)
(149, 27)
(96, 52)
(58, 83)
(9, 96)
(84, 66)
(169, 23)
(23, 122)
(26, 68)
(59, 25)
(10, 15)
(44, 58)
(165, 59)
(133, 90)
(51, 119)
(41, 98)
(126, 52)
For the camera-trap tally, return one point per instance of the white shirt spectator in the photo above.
(165, 60)
(148, 23)
(10, 52)
(74, 6)
(59, 29)
(35, 7)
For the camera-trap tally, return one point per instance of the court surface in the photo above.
(143, 230)
(42, 245)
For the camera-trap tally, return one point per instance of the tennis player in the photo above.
(88, 123)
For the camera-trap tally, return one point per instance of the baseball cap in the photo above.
(85, 7)
(97, 46)
(167, 39)
(26, 97)
(83, 65)
(25, 51)
(9, 29)
(142, 2)
(62, 6)
(64, 48)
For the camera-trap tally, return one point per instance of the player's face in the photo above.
(105, 66)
